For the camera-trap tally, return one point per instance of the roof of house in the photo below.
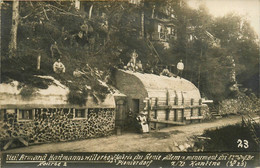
(157, 86)
(55, 96)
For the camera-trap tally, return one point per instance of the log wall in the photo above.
(53, 125)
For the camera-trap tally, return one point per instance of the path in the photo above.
(161, 141)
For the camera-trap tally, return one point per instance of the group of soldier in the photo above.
(136, 66)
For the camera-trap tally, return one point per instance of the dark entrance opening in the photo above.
(135, 106)
(131, 121)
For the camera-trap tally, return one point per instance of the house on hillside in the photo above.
(164, 29)
(48, 117)
(168, 100)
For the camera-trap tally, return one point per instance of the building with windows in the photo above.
(46, 116)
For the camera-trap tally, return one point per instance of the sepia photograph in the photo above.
(129, 83)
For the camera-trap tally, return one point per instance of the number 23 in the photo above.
(242, 144)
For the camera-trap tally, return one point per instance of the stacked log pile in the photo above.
(10, 128)
(53, 125)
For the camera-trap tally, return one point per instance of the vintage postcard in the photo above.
(129, 83)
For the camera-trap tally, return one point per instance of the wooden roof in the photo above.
(157, 86)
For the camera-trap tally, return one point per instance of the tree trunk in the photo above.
(15, 21)
(142, 25)
(90, 12)
(153, 12)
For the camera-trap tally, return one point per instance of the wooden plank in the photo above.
(194, 118)
(196, 106)
(174, 107)
(161, 107)
(23, 141)
(8, 144)
(182, 115)
(167, 122)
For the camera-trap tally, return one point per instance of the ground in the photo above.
(170, 139)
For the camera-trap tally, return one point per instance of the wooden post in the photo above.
(182, 115)
(39, 62)
(176, 98)
(182, 98)
(199, 109)
(155, 112)
(200, 103)
(8, 144)
(175, 115)
(167, 98)
(167, 103)
(23, 141)
(191, 109)
(33, 114)
(149, 113)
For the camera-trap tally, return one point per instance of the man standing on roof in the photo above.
(134, 57)
(180, 67)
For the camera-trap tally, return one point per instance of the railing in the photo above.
(249, 123)
(172, 111)
(150, 45)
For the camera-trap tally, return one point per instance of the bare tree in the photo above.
(15, 21)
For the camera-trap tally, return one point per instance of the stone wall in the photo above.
(53, 125)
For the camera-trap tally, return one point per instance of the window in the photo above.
(80, 113)
(2, 111)
(25, 114)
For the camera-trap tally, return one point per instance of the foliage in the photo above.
(77, 97)
(27, 91)
(223, 139)
(113, 32)
(243, 104)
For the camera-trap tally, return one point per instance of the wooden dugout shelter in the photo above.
(168, 100)
(48, 117)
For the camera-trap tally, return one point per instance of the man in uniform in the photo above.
(180, 67)
(58, 67)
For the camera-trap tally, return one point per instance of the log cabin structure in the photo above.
(168, 100)
(48, 117)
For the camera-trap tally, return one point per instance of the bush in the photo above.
(77, 97)
(243, 104)
(27, 91)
